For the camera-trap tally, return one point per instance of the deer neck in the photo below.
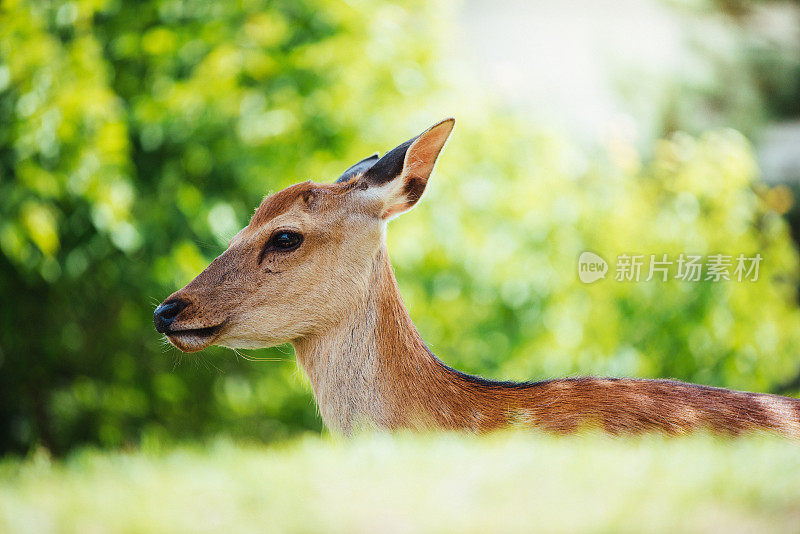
(372, 367)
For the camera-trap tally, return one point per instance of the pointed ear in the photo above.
(359, 168)
(401, 175)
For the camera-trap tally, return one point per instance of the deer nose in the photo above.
(166, 313)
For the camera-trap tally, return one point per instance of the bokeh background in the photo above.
(137, 137)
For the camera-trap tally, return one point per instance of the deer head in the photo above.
(304, 259)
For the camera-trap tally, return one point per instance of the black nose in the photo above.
(166, 313)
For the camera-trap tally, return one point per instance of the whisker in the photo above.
(205, 245)
(177, 361)
(256, 358)
(209, 362)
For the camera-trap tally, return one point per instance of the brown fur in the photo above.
(336, 300)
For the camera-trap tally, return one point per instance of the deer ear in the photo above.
(358, 168)
(401, 175)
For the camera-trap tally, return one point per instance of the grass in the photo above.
(515, 482)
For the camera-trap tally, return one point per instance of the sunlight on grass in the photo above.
(505, 482)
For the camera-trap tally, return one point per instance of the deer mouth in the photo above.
(193, 339)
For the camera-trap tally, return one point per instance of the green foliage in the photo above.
(505, 483)
(136, 139)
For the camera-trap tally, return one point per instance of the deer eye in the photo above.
(281, 241)
(284, 241)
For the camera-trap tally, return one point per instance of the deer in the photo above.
(312, 269)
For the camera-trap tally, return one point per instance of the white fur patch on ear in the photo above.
(393, 196)
(403, 192)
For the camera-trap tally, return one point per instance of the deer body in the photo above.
(375, 370)
(312, 268)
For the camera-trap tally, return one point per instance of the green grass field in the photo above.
(444, 483)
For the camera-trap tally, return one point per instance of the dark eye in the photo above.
(284, 241)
